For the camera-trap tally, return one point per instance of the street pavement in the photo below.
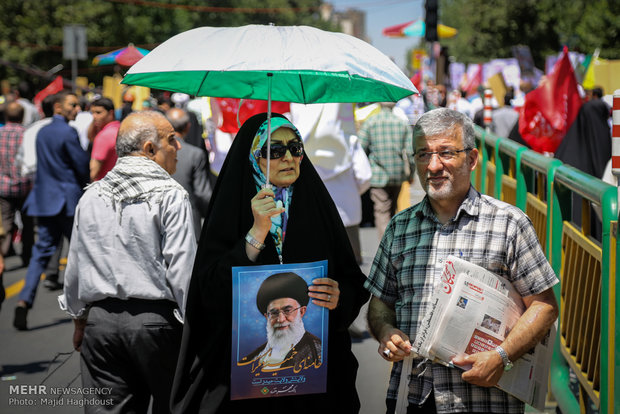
(44, 354)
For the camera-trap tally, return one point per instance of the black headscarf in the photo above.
(587, 144)
(587, 147)
(315, 232)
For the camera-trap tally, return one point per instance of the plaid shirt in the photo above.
(383, 137)
(409, 262)
(12, 184)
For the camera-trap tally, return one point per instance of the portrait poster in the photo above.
(281, 348)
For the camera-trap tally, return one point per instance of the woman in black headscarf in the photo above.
(239, 231)
(587, 144)
(587, 147)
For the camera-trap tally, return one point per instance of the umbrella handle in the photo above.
(269, 81)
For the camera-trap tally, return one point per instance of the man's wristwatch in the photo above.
(507, 362)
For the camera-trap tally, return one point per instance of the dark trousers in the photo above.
(130, 348)
(51, 230)
(9, 207)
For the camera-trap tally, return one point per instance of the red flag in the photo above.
(54, 87)
(550, 109)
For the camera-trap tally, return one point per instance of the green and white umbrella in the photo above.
(284, 63)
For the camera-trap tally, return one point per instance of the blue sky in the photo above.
(384, 13)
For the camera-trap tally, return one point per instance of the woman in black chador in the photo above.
(294, 222)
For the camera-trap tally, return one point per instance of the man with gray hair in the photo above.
(129, 265)
(454, 219)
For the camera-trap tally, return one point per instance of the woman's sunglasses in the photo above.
(279, 150)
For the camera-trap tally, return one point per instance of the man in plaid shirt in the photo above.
(13, 187)
(454, 219)
(383, 137)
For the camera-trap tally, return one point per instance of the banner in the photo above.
(279, 337)
(550, 109)
(472, 79)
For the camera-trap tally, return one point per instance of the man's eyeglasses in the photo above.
(424, 157)
(279, 150)
(287, 311)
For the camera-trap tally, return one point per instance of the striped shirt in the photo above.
(12, 184)
(383, 137)
(408, 264)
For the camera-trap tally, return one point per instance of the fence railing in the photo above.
(546, 190)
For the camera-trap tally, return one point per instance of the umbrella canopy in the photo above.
(417, 28)
(304, 65)
(282, 63)
(125, 56)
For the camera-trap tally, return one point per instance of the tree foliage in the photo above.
(489, 28)
(31, 31)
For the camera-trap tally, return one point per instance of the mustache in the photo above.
(281, 325)
(436, 175)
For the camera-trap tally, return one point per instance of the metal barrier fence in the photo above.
(544, 188)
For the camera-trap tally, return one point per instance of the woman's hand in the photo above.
(324, 292)
(263, 208)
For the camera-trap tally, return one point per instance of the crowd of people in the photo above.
(49, 157)
(154, 233)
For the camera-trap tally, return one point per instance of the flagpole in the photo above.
(269, 82)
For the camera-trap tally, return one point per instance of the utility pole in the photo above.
(74, 47)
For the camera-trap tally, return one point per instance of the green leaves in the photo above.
(488, 29)
(31, 31)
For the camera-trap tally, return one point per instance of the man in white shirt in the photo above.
(128, 270)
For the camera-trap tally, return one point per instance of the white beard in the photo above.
(279, 343)
(446, 191)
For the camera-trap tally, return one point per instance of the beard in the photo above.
(447, 189)
(281, 341)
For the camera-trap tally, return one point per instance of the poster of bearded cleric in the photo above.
(279, 337)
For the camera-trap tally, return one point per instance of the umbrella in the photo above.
(283, 63)
(125, 56)
(417, 28)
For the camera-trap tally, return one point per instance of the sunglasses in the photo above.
(279, 150)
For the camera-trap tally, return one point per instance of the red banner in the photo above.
(550, 109)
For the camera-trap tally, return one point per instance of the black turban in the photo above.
(281, 285)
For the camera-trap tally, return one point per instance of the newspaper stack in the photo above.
(473, 310)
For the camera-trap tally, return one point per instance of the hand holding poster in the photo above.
(279, 337)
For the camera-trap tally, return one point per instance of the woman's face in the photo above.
(282, 171)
